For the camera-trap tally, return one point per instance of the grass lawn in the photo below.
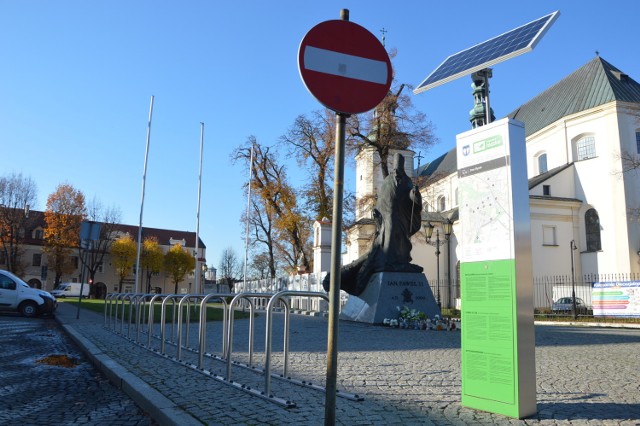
(214, 310)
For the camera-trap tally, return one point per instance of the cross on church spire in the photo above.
(384, 32)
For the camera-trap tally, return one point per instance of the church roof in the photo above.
(595, 83)
(537, 180)
(441, 166)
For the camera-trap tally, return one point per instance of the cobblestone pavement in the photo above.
(585, 376)
(66, 391)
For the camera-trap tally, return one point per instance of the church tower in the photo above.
(368, 181)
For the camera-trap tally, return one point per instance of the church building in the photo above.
(584, 200)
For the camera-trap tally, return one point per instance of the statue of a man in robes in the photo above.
(397, 217)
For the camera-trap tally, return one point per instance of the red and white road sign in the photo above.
(344, 66)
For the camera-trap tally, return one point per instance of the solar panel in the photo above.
(508, 45)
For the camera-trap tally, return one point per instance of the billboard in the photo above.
(616, 298)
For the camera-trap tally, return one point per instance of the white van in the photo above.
(16, 295)
(70, 290)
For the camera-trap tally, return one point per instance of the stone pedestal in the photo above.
(385, 292)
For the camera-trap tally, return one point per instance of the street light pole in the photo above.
(429, 232)
(447, 226)
(573, 280)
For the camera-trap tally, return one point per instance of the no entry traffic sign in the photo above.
(344, 66)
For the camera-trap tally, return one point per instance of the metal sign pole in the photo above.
(334, 291)
(348, 70)
(82, 276)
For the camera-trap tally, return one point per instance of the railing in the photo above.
(141, 308)
(546, 291)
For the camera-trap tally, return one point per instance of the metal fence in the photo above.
(546, 290)
(305, 282)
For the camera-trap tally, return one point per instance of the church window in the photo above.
(549, 235)
(586, 148)
(592, 228)
(542, 163)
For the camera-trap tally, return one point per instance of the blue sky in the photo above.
(77, 77)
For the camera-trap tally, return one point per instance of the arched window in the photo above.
(456, 197)
(592, 228)
(586, 148)
(442, 203)
(542, 163)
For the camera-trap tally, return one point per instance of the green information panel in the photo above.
(489, 336)
(498, 342)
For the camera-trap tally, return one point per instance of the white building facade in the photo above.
(582, 202)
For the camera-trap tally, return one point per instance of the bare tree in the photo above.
(17, 195)
(393, 124)
(230, 267)
(261, 225)
(260, 266)
(631, 164)
(108, 219)
(312, 141)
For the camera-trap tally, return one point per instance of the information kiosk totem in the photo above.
(498, 341)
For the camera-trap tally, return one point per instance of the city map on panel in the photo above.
(485, 203)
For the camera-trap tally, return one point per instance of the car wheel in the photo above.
(29, 309)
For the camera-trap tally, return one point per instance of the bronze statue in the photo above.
(397, 218)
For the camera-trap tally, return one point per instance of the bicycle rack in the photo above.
(202, 336)
(140, 312)
(268, 340)
(279, 297)
(108, 302)
(163, 322)
(150, 317)
(146, 302)
(248, 297)
(187, 298)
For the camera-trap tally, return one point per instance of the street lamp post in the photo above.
(573, 280)
(447, 226)
(429, 232)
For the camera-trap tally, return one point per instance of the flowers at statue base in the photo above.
(414, 319)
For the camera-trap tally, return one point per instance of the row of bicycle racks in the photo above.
(175, 332)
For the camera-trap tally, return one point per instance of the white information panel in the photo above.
(486, 193)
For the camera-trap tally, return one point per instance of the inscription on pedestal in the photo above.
(385, 292)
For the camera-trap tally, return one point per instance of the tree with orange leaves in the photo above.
(65, 212)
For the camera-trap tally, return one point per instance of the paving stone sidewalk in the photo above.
(46, 380)
(585, 376)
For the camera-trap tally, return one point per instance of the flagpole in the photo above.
(198, 283)
(246, 237)
(144, 180)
